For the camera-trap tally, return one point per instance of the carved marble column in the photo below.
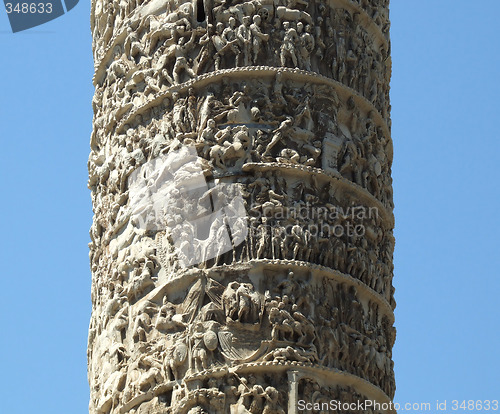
(240, 172)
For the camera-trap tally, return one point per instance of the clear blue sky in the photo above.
(445, 99)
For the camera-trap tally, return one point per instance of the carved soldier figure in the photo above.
(244, 36)
(258, 38)
(288, 50)
(181, 51)
(278, 135)
(231, 41)
(306, 45)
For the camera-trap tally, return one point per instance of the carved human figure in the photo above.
(207, 49)
(306, 42)
(181, 63)
(271, 405)
(278, 135)
(258, 38)
(287, 49)
(198, 351)
(281, 323)
(244, 36)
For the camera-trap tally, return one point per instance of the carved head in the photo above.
(255, 113)
(117, 52)
(264, 13)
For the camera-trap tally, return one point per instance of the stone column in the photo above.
(240, 172)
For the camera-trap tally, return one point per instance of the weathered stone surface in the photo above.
(240, 171)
